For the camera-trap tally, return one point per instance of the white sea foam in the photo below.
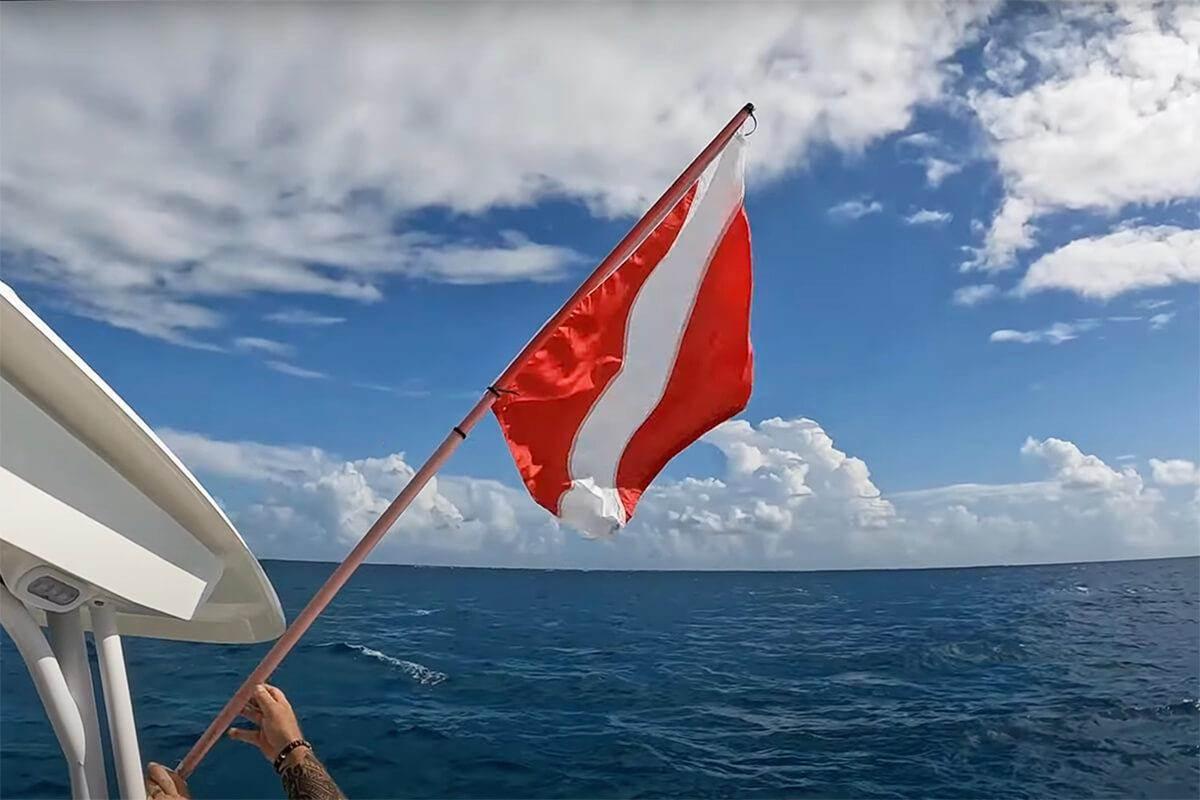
(418, 672)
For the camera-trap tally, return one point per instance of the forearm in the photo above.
(305, 778)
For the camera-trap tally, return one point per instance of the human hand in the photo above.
(163, 782)
(270, 710)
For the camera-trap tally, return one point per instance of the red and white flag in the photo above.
(644, 364)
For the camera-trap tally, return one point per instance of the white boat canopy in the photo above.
(95, 509)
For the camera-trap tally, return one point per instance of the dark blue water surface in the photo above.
(1060, 681)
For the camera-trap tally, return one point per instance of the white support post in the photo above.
(51, 686)
(68, 644)
(117, 702)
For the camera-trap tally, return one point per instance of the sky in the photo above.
(300, 239)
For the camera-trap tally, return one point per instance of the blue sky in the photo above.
(186, 212)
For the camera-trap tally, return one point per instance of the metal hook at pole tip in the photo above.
(753, 118)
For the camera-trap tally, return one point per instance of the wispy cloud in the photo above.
(1160, 321)
(975, 294)
(413, 389)
(301, 316)
(854, 209)
(298, 372)
(928, 216)
(260, 345)
(1150, 305)
(921, 140)
(1057, 333)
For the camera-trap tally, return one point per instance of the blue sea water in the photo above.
(1057, 681)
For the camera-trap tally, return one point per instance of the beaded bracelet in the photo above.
(287, 749)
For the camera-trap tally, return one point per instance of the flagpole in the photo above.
(625, 248)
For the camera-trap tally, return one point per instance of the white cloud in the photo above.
(937, 170)
(1111, 117)
(1160, 321)
(1103, 267)
(411, 389)
(260, 345)
(311, 504)
(922, 140)
(1004, 66)
(243, 459)
(1174, 472)
(928, 216)
(295, 371)
(974, 295)
(301, 316)
(787, 498)
(520, 260)
(1057, 333)
(854, 209)
(1077, 470)
(1150, 305)
(1011, 230)
(153, 158)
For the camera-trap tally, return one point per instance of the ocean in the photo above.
(1056, 681)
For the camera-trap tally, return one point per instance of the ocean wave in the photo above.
(1187, 706)
(418, 672)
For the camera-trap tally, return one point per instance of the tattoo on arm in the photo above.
(309, 780)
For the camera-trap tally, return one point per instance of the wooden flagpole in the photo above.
(338, 578)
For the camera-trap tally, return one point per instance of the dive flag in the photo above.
(656, 355)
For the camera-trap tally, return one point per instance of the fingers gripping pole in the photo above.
(636, 235)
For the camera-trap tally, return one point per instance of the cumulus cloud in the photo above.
(155, 157)
(1077, 470)
(928, 216)
(1057, 333)
(1174, 472)
(975, 294)
(1098, 109)
(1103, 267)
(311, 504)
(787, 498)
(854, 209)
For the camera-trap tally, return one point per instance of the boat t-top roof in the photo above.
(96, 509)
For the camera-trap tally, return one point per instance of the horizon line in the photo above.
(1195, 556)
